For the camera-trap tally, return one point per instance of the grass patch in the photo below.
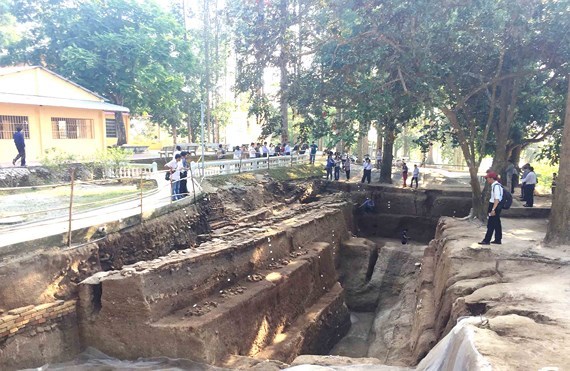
(296, 172)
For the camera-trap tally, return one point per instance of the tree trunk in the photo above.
(478, 206)
(360, 146)
(429, 160)
(559, 225)
(507, 105)
(207, 82)
(387, 156)
(284, 82)
(515, 157)
(406, 143)
(174, 134)
(121, 130)
(189, 126)
(378, 138)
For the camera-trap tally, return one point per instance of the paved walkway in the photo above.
(14, 234)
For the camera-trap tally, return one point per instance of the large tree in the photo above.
(131, 52)
(559, 224)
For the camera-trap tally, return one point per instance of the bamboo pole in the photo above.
(192, 180)
(70, 207)
(141, 196)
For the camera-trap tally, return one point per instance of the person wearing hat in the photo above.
(494, 210)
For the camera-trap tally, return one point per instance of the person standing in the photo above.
(220, 153)
(20, 146)
(415, 176)
(404, 173)
(287, 149)
(346, 166)
(252, 151)
(174, 167)
(313, 153)
(525, 170)
(510, 172)
(529, 182)
(337, 163)
(378, 159)
(237, 153)
(329, 166)
(553, 184)
(264, 150)
(183, 190)
(494, 210)
(367, 171)
(177, 151)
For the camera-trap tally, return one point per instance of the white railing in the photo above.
(251, 164)
(136, 170)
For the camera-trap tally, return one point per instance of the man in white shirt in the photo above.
(366, 171)
(378, 159)
(252, 150)
(175, 166)
(177, 151)
(494, 210)
(529, 183)
(415, 176)
(287, 149)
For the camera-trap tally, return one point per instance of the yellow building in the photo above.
(53, 112)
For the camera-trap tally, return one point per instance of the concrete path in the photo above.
(14, 234)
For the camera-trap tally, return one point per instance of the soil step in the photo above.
(314, 332)
(244, 319)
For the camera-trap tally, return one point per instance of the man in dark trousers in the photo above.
(20, 146)
(494, 210)
(529, 182)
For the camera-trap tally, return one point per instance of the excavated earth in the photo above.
(265, 275)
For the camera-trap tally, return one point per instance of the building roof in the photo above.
(36, 100)
(15, 69)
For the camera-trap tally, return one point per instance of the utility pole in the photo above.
(202, 135)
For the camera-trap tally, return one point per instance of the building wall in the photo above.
(41, 138)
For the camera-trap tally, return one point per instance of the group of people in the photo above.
(257, 150)
(177, 173)
(335, 161)
(415, 175)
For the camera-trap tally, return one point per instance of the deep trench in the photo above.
(377, 284)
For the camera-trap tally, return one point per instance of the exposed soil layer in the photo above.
(520, 286)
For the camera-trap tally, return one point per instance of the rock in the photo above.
(333, 361)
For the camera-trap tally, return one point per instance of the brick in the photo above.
(14, 330)
(20, 310)
(3, 334)
(71, 303)
(41, 320)
(22, 320)
(8, 318)
(45, 306)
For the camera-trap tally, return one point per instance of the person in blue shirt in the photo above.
(368, 205)
(329, 166)
(313, 153)
(20, 146)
